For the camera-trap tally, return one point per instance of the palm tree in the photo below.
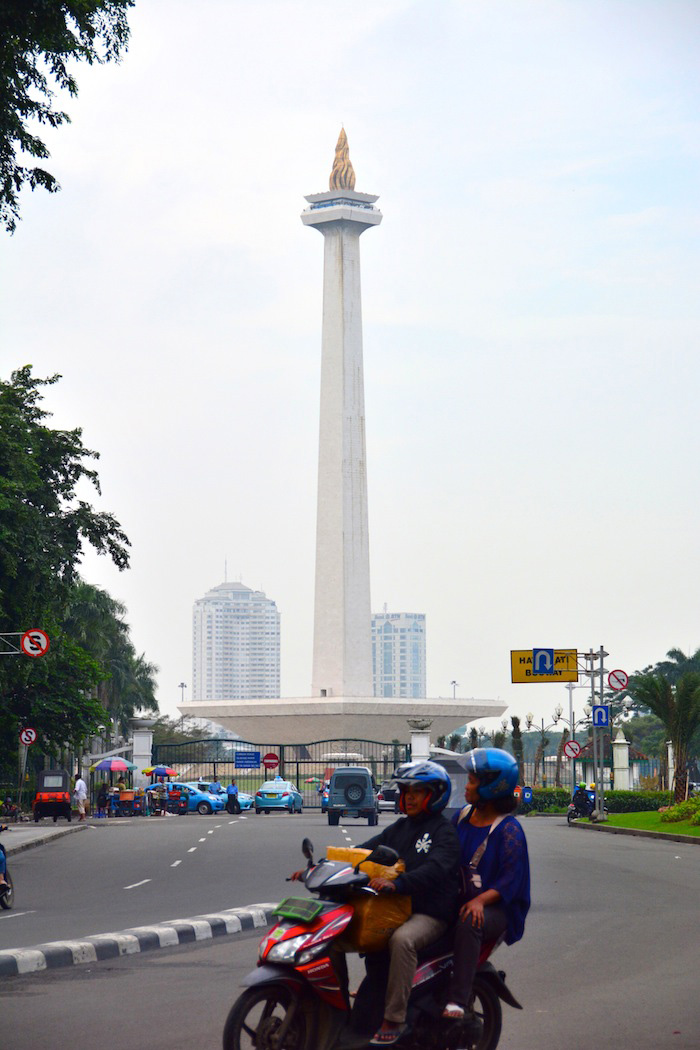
(677, 705)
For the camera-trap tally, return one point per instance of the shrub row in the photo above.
(688, 810)
(547, 800)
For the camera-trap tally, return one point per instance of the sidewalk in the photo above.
(19, 837)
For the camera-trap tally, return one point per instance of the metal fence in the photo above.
(306, 765)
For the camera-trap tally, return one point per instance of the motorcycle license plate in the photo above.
(299, 908)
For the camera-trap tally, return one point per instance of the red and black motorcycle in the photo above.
(298, 998)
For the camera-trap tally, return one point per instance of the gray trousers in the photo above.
(404, 944)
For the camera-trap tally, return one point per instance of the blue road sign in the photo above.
(601, 715)
(527, 795)
(542, 661)
(247, 760)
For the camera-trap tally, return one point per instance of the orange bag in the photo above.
(375, 918)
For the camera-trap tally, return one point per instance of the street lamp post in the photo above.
(454, 689)
(530, 719)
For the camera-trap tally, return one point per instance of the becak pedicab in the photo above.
(52, 798)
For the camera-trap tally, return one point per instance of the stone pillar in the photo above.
(142, 730)
(420, 739)
(621, 761)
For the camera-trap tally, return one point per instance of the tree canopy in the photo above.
(44, 527)
(38, 40)
(677, 705)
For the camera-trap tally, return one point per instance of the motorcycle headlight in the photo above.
(286, 950)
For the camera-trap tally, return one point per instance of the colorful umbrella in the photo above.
(313, 780)
(159, 771)
(112, 765)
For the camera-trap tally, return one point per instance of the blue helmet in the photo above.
(497, 771)
(424, 774)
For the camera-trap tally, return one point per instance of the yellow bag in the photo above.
(375, 918)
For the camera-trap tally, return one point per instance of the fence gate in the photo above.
(306, 765)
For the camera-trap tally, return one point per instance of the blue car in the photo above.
(245, 801)
(203, 802)
(278, 794)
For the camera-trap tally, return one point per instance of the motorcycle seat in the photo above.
(442, 946)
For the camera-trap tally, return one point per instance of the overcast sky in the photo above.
(530, 318)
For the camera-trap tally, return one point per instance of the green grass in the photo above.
(651, 821)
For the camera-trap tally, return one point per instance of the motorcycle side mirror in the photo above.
(307, 848)
(381, 855)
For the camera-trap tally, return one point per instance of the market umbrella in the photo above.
(112, 765)
(159, 771)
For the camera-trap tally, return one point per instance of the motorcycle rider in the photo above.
(429, 847)
(495, 894)
(3, 862)
(581, 800)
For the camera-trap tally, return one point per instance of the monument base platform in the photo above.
(294, 720)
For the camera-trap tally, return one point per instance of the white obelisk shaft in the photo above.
(342, 655)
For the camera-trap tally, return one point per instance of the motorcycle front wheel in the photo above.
(487, 1007)
(257, 1016)
(7, 897)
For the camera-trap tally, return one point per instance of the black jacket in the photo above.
(429, 847)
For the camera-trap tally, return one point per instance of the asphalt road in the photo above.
(609, 957)
(131, 872)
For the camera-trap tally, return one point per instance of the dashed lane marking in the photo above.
(192, 849)
(135, 884)
(175, 863)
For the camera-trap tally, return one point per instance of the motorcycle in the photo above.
(575, 811)
(298, 997)
(7, 893)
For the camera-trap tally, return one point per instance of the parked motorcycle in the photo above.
(298, 998)
(7, 893)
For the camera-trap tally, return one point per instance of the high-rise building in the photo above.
(235, 645)
(398, 654)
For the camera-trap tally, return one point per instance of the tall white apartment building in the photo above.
(398, 654)
(235, 645)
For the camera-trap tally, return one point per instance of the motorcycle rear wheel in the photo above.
(487, 1007)
(256, 1017)
(570, 817)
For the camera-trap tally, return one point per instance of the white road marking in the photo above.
(218, 825)
(192, 849)
(233, 821)
(210, 833)
(175, 863)
(202, 840)
(16, 914)
(244, 818)
(135, 884)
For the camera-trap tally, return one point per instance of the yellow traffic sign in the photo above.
(523, 670)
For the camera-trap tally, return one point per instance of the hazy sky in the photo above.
(530, 317)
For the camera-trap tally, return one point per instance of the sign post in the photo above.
(27, 737)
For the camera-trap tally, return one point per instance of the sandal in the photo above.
(384, 1037)
(453, 1012)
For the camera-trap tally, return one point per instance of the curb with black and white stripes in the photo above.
(17, 961)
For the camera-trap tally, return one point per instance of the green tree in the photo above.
(43, 528)
(38, 41)
(96, 621)
(517, 743)
(677, 705)
(454, 742)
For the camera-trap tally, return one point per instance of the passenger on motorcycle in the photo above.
(495, 869)
(428, 845)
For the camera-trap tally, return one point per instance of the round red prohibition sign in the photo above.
(271, 761)
(618, 680)
(27, 736)
(35, 642)
(572, 749)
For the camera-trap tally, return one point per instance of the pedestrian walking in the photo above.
(80, 792)
(232, 803)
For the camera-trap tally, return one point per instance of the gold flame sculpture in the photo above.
(342, 175)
